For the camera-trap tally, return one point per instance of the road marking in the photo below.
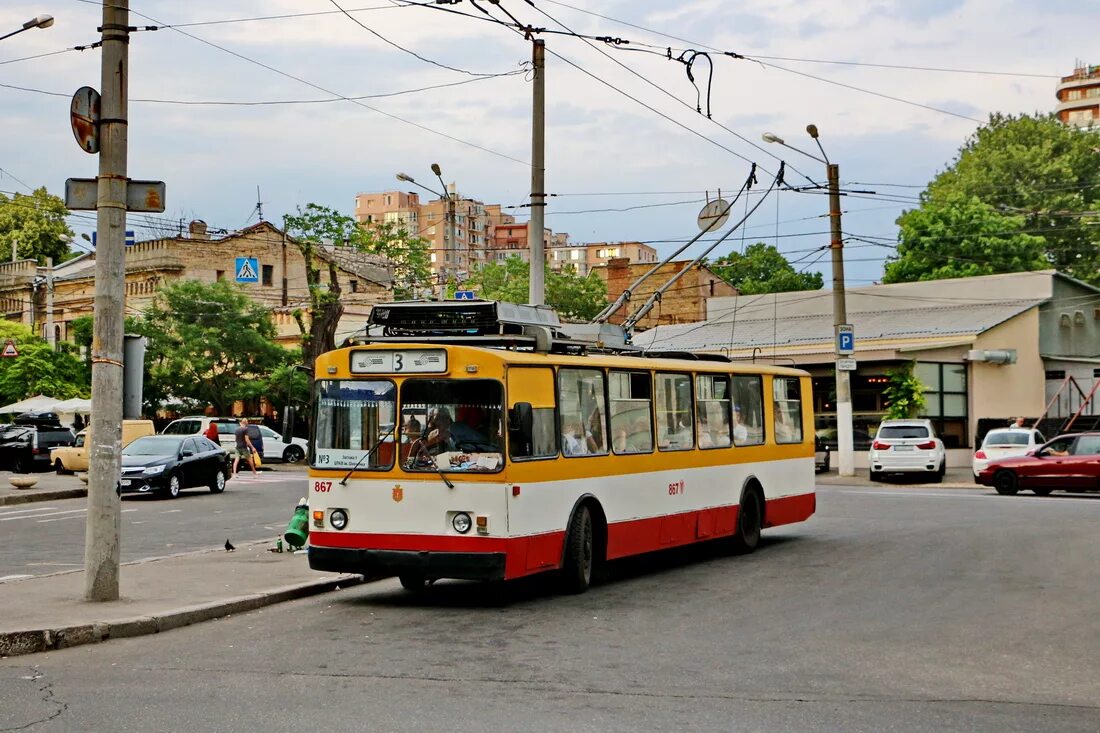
(59, 519)
(171, 511)
(27, 511)
(55, 565)
(14, 577)
(48, 514)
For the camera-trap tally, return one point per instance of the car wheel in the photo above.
(172, 490)
(19, 465)
(1042, 490)
(749, 519)
(1006, 483)
(937, 475)
(293, 454)
(217, 486)
(576, 570)
(60, 468)
(876, 475)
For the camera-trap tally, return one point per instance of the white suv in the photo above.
(274, 447)
(907, 446)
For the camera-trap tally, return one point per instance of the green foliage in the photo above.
(37, 370)
(763, 269)
(572, 296)
(208, 343)
(36, 225)
(904, 393)
(955, 236)
(1034, 178)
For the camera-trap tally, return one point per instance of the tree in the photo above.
(1042, 177)
(763, 269)
(571, 295)
(37, 369)
(904, 394)
(35, 225)
(209, 343)
(318, 225)
(956, 236)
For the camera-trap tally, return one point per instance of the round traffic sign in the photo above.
(84, 114)
(714, 214)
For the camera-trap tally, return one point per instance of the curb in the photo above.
(32, 641)
(51, 495)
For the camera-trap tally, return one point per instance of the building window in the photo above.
(355, 286)
(1055, 374)
(1073, 94)
(268, 275)
(219, 275)
(945, 400)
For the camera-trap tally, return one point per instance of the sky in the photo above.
(628, 157)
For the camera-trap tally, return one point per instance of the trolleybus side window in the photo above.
(788, 410)
(748, 411)
(532, 388)
(675, 421)
(712, 404)
(583, 413)
(631, 412)
(354, 416)
(452, 425)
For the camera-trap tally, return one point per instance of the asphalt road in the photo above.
(48, 537)
(893, 609)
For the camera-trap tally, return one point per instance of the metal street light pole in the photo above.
(40, 21)
(845, 437)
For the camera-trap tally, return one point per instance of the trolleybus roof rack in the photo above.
(487, 323)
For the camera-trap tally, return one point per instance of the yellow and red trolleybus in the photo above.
(498, 455)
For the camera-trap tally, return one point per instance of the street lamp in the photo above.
(40, 21)
(840, 310)
(449, 235)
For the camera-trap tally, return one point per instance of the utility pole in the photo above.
(840, 317)
(452, 246)
(535, 237)
(49, 305)
(101, 547)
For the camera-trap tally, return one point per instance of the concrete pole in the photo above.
(101, 545)
(535, 243)
(49, 305)
(840, 316)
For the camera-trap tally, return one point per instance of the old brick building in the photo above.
(684, 302)
(364, 279)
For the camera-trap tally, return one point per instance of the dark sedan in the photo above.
(1067, 463)
(167, 464)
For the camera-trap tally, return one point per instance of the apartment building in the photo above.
(1079, 97)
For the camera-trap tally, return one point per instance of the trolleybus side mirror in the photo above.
(521, 423)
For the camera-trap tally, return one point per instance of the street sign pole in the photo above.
(101, 544)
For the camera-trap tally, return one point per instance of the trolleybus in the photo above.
(480, 441)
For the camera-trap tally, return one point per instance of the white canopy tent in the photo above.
(75, 405)
(38, 403)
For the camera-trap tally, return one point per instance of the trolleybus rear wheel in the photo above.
(749, 518)
(413, 581)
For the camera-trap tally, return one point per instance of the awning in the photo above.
(77, 404)
(38, 403)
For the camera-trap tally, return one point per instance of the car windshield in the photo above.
(1005, 437)
(452, 425)
(353, 416)
(153, 446)
(902, 431)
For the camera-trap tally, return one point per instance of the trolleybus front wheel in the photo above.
(576, 567)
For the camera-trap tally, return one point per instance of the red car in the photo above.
(1067, 463)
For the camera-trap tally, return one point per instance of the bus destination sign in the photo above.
(404, 361)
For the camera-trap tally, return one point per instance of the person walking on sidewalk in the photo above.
(256, 440)
(244, 448)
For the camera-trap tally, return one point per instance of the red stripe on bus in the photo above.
(535, 553)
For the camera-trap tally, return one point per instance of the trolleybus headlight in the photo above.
(461, 522)
(338, 519)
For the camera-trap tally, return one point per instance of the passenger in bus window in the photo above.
(740, 432)
(412, 428)
(574, 442)
(439, 432)
(594, 433)
(705, 438)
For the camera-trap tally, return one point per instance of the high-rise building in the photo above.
(1079, 97)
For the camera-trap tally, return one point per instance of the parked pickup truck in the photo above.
(75, 457)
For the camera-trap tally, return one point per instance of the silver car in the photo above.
(907, 446)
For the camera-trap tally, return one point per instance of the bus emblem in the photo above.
(398, 493)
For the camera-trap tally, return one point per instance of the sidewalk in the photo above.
(956, 478)
(47, 612)
(52, 487)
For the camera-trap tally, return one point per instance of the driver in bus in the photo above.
(439, 438)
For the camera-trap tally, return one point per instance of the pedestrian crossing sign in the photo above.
(247, 270)
(9, 349)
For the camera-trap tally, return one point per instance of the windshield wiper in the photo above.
(373, 448)
(423, 451)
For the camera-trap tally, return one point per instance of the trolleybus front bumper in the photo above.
(460, 565)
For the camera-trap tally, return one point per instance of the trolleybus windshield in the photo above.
(452, 425)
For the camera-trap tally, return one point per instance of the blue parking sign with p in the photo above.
(247, 270)
(845, 339)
